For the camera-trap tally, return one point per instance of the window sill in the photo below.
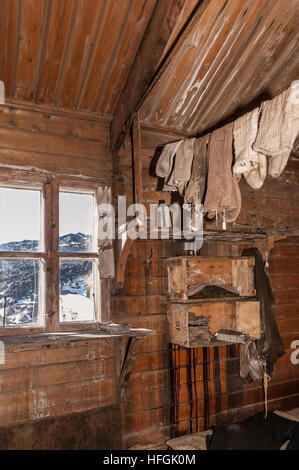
(48, 339)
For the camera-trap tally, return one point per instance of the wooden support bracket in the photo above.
(122, 261)
(127, 365)
(265, 246)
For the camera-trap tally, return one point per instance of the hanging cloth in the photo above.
(278, 129)
(251, 164)
(223, 192)
(181, 173)
(105, 233)
(165, 161)
(259, 357)
(196, 186)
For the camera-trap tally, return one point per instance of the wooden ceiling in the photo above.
(73, 54)
(221, 58)
(237, 54)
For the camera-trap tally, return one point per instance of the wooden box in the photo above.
(237, 315)
(186, 274)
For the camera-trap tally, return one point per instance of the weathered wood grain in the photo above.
(146, 60)
(53, 143)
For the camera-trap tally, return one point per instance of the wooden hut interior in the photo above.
(149, 223)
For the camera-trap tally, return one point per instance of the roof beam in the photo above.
(147, 59)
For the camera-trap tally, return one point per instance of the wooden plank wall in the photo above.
(56, 143)
(48, 380)
(63, 144)
(142, 302)
(44, 380)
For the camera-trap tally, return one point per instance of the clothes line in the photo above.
(207, 170)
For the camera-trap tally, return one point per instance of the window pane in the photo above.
(20, 292)
(20, 215)
(77, 297)
(76, 222)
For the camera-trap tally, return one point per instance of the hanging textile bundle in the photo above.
(165, 162)
(278, 128)
(251, 164)
(259, 357)
(196, 187)
(195, 190)
(181, 173)
(223, 192)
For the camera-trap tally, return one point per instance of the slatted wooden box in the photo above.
(186, 274)
(231, 314)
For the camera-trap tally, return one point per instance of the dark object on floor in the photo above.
(254, 433)
(294, 440)
(270, 346)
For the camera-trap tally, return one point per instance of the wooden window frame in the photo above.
(50, 187)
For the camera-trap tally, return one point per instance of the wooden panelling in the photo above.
(121, 43)
(142, 302)
(220, 59)
(61, 16)
(31, 35)
(42, 380)
(68, 59)
(30, 120)
(160, 27)
(99, 428)
(232, 58)
(71, 54)
(57, 144)
(9, 19)
(88, 17)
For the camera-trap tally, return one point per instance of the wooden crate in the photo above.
(185, 273)
(232, 314)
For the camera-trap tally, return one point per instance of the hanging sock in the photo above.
(278, 129)
(256, 177)
(223, 192)
(196, 186)
(181, 173)
(251, 164)
(165, 161)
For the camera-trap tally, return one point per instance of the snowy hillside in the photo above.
(19, 283)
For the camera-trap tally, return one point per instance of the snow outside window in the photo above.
(22, 257)
(78, 258)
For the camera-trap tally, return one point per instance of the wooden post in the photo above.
(137, 162)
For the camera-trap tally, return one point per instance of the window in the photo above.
(22, 257)
(78, 260)
(49, 267)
